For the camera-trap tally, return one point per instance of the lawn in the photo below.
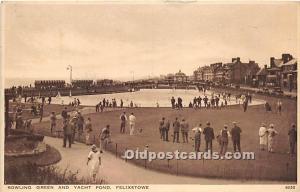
(266, 166)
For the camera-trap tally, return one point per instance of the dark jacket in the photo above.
(209, 133)
(292, 135)
(236, 133)
(176, 126)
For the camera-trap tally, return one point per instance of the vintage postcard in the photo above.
(149, 96)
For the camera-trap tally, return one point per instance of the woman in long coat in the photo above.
(94, 162)
(263, 136)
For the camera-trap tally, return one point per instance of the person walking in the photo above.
(271, 135)
(52, 122)
(123, 119)
(208, 136)
(176, 128)
(67, 132)
(49, 100)
(236, 137)
(41, 112)
(184, 130)
(105, 137)
(263, 137)
(161, 128)
(197, 137)
(121, 103)
(73, 124)
(224, 134)
(173, 102)
(132, 120)
(93, 162)
(279, 106)
(166, 131)
(88, 129)
(205, 99)
(64, 113)
(292, 138)
(80, 123)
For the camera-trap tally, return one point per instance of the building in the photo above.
(282, 72)
(49, 84)
(238, 72)
(217, 72)
(82, 83)
(180, 78)
(170, 78)
(235, 72)
(104, 82)
(289, 73)
(260, 80)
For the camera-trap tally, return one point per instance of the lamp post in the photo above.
(70, 68)
(132, 79)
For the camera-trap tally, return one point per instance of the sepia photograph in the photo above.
(112, 95)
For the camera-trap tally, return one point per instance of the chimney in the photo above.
(272, 63)
(233, 60)
(286, 57)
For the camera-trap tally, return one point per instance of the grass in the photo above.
(277, 166)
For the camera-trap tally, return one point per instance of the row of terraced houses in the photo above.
(281, 72)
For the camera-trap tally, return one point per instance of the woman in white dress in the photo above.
(93, 162)
(263, 136)
(271, 135)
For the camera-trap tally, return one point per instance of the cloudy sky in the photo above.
(111, 40)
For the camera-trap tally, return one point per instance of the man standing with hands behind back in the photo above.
(236, 137)
(209, 136)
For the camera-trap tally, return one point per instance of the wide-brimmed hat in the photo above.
(207, 123)
(271, 125)
(94, 146)
(234, 122)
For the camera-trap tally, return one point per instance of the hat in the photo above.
(225, 126)
(234, 122)
(207, 123)
(271, 125)
(94, 146)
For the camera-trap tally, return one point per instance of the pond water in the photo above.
(146, 98)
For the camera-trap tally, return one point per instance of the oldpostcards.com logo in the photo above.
(181, 155)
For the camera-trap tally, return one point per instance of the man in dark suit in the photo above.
(176, 128)
(209, 136)
(292, 138)
(167, 128)
(236, 136)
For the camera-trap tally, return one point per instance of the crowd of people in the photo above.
(106, 103)
(215, 100)
(266, 135)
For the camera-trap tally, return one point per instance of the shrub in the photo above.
(32, 174)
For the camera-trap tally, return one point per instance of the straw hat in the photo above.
(94, 146)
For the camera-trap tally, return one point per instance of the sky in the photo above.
(120, 41)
